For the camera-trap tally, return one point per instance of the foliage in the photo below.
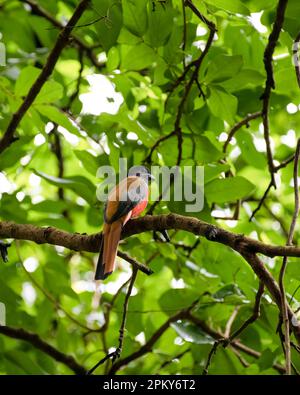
(48, 178)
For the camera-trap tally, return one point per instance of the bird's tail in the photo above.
(108, 250)
(99, 275)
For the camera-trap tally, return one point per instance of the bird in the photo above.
(126, 200)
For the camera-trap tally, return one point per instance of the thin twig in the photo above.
(285, 162)
(177, 125)
(282, 165)
(101, 362)
(229, 338)
(176, 357)
(261, 202)
(78, 81)
(124, 317)
(277, 218)
(284, 308)
(270, 83)
(235, 128)
(117, 353)
(196, 64)
(254, 316)
(135, 264)
(231, 321)
(210, 355)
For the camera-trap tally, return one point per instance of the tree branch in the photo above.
(124, 317)
(38, 10)
(236, 127)
(244, 245)
(150, 343)
(184, 314)
(267, 279)
(47, 70)
(37, 342)
(270, 83)
(284, 308)
(254, 316)
(196, 64)
(91, 243)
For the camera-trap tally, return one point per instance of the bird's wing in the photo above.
(124, 197)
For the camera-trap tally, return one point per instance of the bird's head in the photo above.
(141, 171)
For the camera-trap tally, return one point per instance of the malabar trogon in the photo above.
(126, 200)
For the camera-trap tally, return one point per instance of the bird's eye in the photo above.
(138, 174)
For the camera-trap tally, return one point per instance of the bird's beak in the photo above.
(151, 177)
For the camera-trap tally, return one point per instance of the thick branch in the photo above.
(40, 344)
(47, 70)
(90, 243)
(245, 246)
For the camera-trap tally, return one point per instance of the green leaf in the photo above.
(57, 116)
(228, 291)
(267, 359)
(113, 59)
(107, 28)
(23, 361)
(49, 206)
(135, 16)
(50, 91)
(234, 6)
(206, 151)
(191, 333)
(228, 189)
(167, 250)
(245, 78)
(14, 153)
(160, 25)
(249, 151)
(212, 170)
(89, 161)
(26, 79)
(223, 67)
(259, 5)
(177, 299)
(78, 184)
(222, 104)
(138, 57)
